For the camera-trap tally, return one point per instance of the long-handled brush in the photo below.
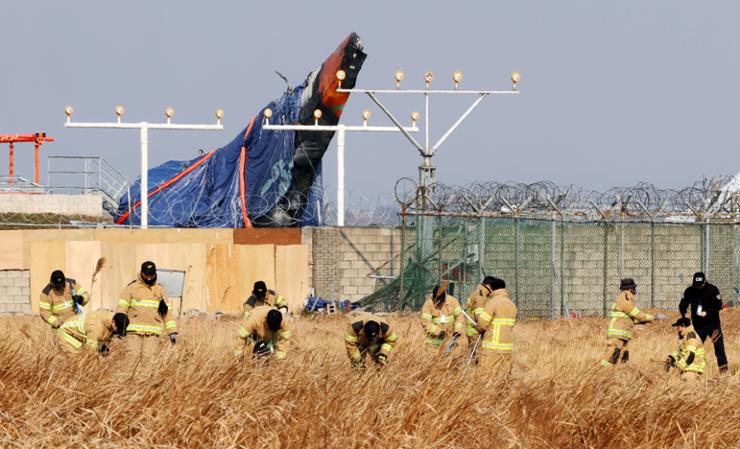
(98, 266)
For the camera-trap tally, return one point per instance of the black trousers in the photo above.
(719, 342)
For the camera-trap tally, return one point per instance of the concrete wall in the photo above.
(15, 291)
(341, 259)
(87, 205)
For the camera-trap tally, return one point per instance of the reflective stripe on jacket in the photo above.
(56, 307)
(498, 319)
(624, 314)
(141, 303)
(689, 344)
(446, 317)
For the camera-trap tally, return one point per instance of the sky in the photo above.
(612, 93)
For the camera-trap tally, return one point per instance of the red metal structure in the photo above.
(38, 139)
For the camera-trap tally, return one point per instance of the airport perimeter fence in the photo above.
(562, 264)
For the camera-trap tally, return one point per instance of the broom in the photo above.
(98, 266)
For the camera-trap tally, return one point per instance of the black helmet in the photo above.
(274, 319)
(57, 279)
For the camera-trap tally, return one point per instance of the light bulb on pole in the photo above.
(341, 76)
(456, 78)
(399, 76)
(428, 78)
(414, 118)
(219, 115)
(317, 115)
(515, 78)
(68, 111)
(366, 114)
(119, 112)
(267, 113)
(169, 112)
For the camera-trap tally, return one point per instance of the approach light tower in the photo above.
(340, 129)
(427, 171)
(144, 128)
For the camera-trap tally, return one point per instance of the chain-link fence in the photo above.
(560, 263)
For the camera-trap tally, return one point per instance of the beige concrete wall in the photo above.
(218, 274)
(87, 205)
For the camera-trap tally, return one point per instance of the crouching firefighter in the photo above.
(144, 302)
(369, 337)
(264, 333)
(261, 296)
(688, 359)
(92, 331)
(442, 319)
(624, 315)
(61, 299)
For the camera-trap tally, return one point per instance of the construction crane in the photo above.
(37, 139)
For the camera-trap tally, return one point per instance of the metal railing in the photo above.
(17, 184)
(86, 175)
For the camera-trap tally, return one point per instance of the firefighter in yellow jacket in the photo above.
(261, 296)
(264, 333)
(624, 315)
(496, 323)
(61, 299)
(369, 337)
(442, 319)
(475, 304)
(92, 331)
(144, 301)
(688, 359)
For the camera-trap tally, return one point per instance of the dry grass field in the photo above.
(198, 396)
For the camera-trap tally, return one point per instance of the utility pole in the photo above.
(144, 128)
(340, 129)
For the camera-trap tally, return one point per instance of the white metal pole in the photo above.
(340, 175)
(144, 184)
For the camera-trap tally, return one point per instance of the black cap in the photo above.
(627, 284)
(57, 278)
(497, 284)
(372, 328)
(260, 288)
(683, 321)
(148, 267)
(699, 278)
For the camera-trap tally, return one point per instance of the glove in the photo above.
(78, 299)
(442, 335)
(382, 359)
(661, 316)
(456, 335)
(162, 308)
(173, 338)
(670, 362)
(104, 349)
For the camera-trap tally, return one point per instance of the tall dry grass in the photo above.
(198, 396)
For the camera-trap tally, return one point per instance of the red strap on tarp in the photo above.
(242, 178)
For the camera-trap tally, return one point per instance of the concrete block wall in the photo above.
(340, 259)
(15, 291)
(87, 205)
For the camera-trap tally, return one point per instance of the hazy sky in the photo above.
(612, 92)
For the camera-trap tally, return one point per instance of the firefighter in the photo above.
(144, 301)
(496, 323)
(61, 299)
(264, 332)
(688, 359)
(475, 304)
(706, 303)
(261, 296)
(442, 319)
(92, 331)
(369, 337)
(624, 315)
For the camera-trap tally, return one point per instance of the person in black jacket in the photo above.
(706, 302)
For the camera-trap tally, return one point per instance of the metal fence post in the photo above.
(705, 265)
(516, 261)
(621, 248)
(563, 308)
(605, 291)
(652, 263)
(482, 246)
(402, 258)
(552, 269)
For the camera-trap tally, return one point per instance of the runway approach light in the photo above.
(68, 111)
(456, 78)
(399, 76)
(414, 118)
(119, 112)
(169, 112)
(341, 76)
(317, 115)
(219, 115)
(428, 78)
(366, 114)
(515, 78)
